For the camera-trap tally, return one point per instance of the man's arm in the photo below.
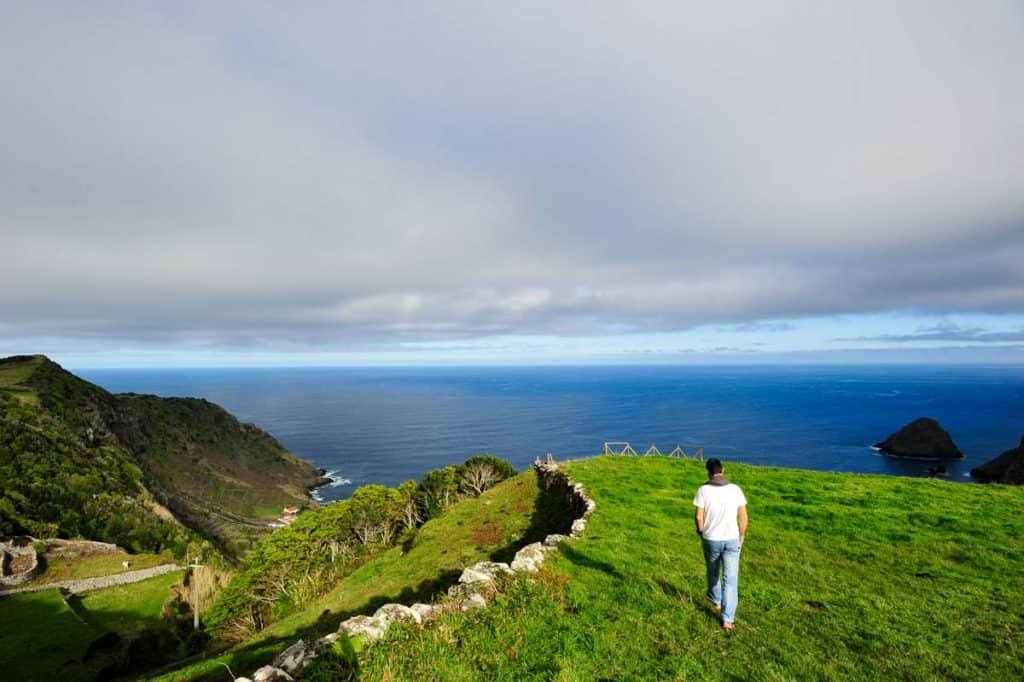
(741, 515)
(698, 519)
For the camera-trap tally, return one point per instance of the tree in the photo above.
(376, 514)
(483, 471)
(438, 490)
(410, 508)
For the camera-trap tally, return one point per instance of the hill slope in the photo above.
(843, 577)
(76, 460)
(491, 526)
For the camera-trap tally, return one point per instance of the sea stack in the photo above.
(922, 438)
(1006, 468)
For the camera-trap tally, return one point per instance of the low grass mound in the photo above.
(44, 636)
(843, 576)
(491, 526)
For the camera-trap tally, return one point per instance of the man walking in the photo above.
(721, 518)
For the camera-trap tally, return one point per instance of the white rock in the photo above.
(392, 613)
(327, 640)
(484, 572)
(425, 612)
(473, 601)
(525, 565)
(529, 558)
(369, 628)
(269, 673)
(294, 657)
(472, 575)
(554, 540)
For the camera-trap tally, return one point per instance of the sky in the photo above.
(268, 183)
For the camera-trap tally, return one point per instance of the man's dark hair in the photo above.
(714, 466)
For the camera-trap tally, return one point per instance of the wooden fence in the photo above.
(622, 447)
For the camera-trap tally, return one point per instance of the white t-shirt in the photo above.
(720, 504)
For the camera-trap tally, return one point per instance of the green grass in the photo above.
(44, 637)
(843, 576)
(14, 373)
(129, 607)
(64, 568)
(492, 525)
(40, 635)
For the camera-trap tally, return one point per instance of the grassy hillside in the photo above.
(76, 460)
(44, 636)
(490, 526)
(842, 577)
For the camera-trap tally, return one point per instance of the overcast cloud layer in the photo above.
(280, 176)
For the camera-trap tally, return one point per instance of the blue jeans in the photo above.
(722, 558)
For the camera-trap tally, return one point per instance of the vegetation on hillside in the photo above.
(843, 576)
(54, 485)
(492, 526)
(77, 461)
(293, 566)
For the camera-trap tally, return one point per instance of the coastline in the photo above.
(327, 479)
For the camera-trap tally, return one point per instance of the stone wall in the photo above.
(100, 582)
(72, 549)
(476, 586)
(19, 562)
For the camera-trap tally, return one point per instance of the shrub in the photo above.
(482, 472)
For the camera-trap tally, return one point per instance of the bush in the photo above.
(482, 472)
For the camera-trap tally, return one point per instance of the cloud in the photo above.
(948, 332)
(350, 176)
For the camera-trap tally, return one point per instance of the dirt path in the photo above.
(86, 584)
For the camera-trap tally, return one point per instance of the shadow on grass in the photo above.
(581, 559)
(670, 590)
(48, 636)
(552, 513)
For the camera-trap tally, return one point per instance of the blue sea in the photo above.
(387, 425)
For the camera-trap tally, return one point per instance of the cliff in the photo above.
(76, 460)
(1006, 468)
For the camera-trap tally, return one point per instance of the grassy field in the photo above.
(13, 374)
(490, 526)
(45, 637)
(61, 568)
(842, 577)
(128, 607)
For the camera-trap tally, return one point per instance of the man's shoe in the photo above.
(716, 607)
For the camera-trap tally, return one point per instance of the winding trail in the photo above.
(99, 582)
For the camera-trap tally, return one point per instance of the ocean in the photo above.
(387, 425)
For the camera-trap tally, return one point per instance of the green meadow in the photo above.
(59, 569)
(843, 576)
(45, 636)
